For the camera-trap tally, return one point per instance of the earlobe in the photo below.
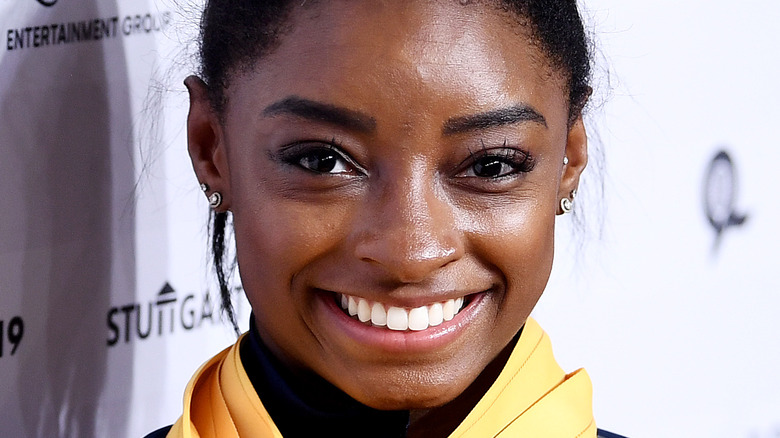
(205, 143)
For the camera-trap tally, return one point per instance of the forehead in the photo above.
(363, 52)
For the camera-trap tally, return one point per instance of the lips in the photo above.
(399, 318)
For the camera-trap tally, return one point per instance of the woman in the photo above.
(393, 171)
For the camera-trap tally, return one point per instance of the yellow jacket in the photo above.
(532, 397)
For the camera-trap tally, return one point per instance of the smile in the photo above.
(399, 318)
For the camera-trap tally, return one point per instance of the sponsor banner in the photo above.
(105, 308)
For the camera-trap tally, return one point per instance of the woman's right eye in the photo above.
(320, 159)
(324, 161)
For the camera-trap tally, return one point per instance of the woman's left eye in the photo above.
(491, 167)
(499, 164)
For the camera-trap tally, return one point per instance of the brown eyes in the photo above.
(497, 167)
(329, 159)
(497, 163)
(324, 160)
(491, 168)
(320, 158)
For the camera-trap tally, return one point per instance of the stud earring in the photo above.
(215, 200)
(567, 204)
(565, 160)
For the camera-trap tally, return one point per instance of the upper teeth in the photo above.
(399, 318)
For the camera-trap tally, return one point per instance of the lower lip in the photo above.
(392, 341)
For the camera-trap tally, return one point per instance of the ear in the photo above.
(205, 142)
(577, 158)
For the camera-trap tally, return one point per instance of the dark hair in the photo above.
(234, 34)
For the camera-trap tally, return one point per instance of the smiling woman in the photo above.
(393, 171)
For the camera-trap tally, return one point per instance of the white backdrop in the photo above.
(106, 307)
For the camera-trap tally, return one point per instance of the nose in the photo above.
(409, 231)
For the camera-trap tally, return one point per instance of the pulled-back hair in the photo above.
(235, 34)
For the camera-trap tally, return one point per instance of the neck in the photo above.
(302, 403)
(443, 420)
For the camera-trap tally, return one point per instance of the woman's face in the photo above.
(406, 157)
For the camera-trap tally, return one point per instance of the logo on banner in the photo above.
(95, 29)
(48, 3)
(720, 195)
(11, 333)
(161, 316)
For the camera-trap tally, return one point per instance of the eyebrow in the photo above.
(499, 117)
(322, 112)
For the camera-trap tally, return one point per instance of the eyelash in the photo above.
(296, 153)
(517, 160)
(520, 161)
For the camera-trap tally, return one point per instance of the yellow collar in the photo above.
(531, 397)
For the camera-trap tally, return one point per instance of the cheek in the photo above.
(276, 242)
(517, 239)
(276, 239)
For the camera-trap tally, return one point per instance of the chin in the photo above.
(408, 394)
